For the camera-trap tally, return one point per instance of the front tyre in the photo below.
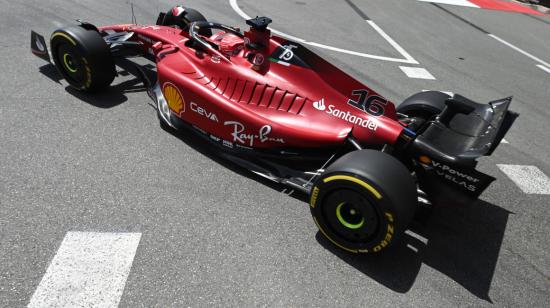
(83, 58)
(364, 201)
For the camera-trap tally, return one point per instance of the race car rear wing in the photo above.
(464, 131)
(39, 47)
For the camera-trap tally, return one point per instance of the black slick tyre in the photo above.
(83, 58)
(423, 107)
(183, 20)
(364, 201)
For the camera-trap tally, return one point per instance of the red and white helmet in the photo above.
(230, 44)
(177, 10)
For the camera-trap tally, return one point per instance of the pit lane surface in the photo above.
(211, 234)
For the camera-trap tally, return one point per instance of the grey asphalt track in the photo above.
(212, 234)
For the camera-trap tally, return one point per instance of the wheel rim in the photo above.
(71, 65)
(351, 215)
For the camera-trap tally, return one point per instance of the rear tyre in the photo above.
(181, 17)
(83, 58)
(423, 107)
(364, 201)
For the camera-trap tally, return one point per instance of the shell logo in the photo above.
(173, 97)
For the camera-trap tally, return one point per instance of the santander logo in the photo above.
(345, 115)
(320, 105)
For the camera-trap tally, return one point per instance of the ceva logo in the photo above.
(320, 105)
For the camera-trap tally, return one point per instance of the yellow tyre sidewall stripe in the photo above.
(330, 239)
(355, 180)
(70, 39)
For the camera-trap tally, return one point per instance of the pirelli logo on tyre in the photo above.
(314, 195)
(389, 233)
(174, 98)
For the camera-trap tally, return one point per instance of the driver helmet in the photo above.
(230, 44)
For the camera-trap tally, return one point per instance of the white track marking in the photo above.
(525, 53)
(417, 72)
(446, 92)
(453, 2)
(411, 247)
(544, 68)
(530, 179)
(393, 43)
(408, 58)
(57, 23)
(89, 270)
(417, 236)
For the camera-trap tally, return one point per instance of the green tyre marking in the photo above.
(67, 63)
(344, 222)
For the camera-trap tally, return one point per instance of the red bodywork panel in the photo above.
(292, 98)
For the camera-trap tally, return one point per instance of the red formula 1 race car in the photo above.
(281, 111)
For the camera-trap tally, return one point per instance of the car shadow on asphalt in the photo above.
(462, 241)
(116, 93)
(51, 72)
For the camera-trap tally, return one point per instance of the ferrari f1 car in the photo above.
(279, 110)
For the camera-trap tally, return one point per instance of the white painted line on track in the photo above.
(408, 58)
(525, 53)
(446, 92)
(57, 23)
(89, 270)
(453, 2)
(417, 72)
(530, 179)
(417, 236)
(411, 247)
(544, 68)
(391, 41)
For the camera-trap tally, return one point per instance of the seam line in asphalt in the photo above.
(502, 41)
(536, 18)
(357, 10)
(460, 18)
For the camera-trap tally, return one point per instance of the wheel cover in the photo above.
(350, 216)
(68, 62)
(71, 64)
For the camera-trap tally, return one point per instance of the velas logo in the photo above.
(320, 105)
(345, 115)
(174, 98)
